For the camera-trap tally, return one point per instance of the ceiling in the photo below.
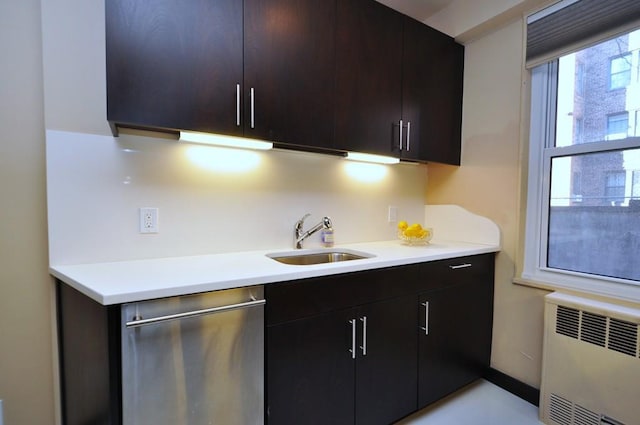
(417, 9)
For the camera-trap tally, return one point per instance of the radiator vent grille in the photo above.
(584, 416)
(568, 321)
(593, 329)
(603, 331)
(564, 412)
(623, 337)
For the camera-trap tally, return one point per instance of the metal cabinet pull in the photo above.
(400, 134)
(408, 136)
(364, 335)
(461, 266)
(426, 317)
(238, 105)
(353, 338)
(253, 109)
(138, 321)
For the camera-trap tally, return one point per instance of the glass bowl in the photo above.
(416, 240)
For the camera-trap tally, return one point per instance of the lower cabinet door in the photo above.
(455, 338)
(310, 371)
(386, 367)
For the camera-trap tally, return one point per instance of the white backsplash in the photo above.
(207, 202)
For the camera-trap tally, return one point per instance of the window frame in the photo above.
(542, 150)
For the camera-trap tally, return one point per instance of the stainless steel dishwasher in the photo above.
(195, 359)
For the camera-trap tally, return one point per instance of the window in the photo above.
(617, 126)
(583, 220)
(614, 187)
(620, 72)
(579, 131)
(635, 185)
(580, 78)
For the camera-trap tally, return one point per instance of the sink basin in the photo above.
(308, 258)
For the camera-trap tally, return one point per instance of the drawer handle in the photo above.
(461, 266)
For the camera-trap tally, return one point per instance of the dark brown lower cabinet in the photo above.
(419, 332)
(351, 366)
(455, 327)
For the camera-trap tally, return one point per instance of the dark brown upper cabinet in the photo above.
(262, 68)
(289, 64)
(347, 75)
(174, 64)
(433, 65)
(368, 77)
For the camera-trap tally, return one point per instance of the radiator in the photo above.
(591, 363)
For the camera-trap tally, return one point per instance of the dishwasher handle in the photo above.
(137, 321)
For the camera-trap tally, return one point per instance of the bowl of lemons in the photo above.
(414, 234)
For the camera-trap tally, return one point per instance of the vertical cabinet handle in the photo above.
(426, 317)
(353, 338)
(363, 347)
(253, 108)
(238, 105)
(400, 135)
(408, 136)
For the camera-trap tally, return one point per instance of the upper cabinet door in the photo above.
(289, 54)
(368, 77)
(174, 63)
(431, 94)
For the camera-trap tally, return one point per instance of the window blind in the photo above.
(571, 25)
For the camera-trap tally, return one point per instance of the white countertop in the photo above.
(128, 281)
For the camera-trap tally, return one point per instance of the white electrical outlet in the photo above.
(149, 220)
(393, 214)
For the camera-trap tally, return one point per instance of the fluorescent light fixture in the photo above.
(377, 159)
(221, 140)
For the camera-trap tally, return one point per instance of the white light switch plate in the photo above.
(393, 214)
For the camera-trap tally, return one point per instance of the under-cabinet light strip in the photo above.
(222, 140)
(378, 159)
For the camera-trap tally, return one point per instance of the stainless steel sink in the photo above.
(318, 257)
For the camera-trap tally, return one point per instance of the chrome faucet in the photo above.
(300, 235)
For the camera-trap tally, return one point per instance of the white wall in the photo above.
(97, 183)
(488, 183)
(26, 356)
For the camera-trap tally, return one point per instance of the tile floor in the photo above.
(481, 403)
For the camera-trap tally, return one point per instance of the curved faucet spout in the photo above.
(300, 235)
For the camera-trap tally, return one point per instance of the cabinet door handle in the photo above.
(426, 317)
(461, 266)
(353, 338)
(363, 319)
(253, 108)
(408, 136)
(238, 105)
(400, 134)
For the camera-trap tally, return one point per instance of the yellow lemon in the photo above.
(402, 225)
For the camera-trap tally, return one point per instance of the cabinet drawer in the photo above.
(455, 271)
(293, 300)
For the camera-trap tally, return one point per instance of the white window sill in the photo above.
(576, 282)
